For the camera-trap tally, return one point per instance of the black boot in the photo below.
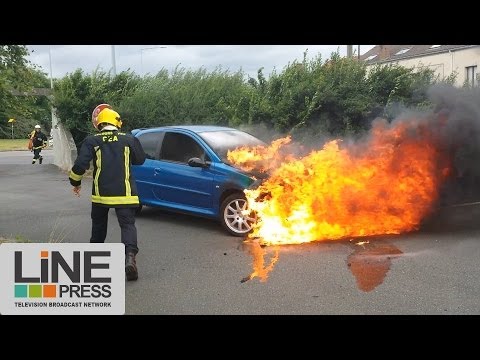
(41, 159)
(131, 267)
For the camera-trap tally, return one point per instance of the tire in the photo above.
(138, 210)
(233, 221)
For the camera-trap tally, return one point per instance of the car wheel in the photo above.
(138, 210)
(234, 215)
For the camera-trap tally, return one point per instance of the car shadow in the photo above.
(181, 219)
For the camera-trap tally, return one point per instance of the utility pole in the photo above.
(52, 109)
(11, 121)
(50, 57)
(349, 51)
(114, 64)
(54, 130)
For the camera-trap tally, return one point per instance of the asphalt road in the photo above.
(189, 265)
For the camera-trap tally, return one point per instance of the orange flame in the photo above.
(259, 254)
(385, 185)
(260, 158)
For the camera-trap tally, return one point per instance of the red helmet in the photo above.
(95, 113)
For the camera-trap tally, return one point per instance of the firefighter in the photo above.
(113, 153)
(39, 142)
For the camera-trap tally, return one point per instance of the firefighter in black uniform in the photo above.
(39, 142)
(113, 153)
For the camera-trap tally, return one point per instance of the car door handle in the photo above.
(157, 171)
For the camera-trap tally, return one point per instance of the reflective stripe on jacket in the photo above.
(112, 153)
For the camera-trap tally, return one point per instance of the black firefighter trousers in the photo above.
(36, 154)
(126, 220)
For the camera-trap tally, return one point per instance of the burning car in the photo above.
(384, 183)
(187, 171)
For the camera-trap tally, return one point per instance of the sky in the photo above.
(149, 59)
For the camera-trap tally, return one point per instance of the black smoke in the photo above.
(453, 116)
(460, 107)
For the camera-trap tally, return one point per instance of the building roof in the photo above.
(387, 53)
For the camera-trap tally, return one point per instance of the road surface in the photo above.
(189, 265)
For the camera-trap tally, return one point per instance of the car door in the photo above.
(145, 174)
(181, 184)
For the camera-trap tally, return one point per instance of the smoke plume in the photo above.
(460, 135)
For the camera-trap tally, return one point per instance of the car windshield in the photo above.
(222, 141)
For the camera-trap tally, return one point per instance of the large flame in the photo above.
(384, 185)
(260, 158)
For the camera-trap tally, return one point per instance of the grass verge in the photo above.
(13, 144)
(16, 239)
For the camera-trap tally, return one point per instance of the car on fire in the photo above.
(187, 171)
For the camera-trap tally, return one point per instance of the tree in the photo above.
(18, 74)
(77, 94)
(311, 98)
(394, 87)
(188, 97)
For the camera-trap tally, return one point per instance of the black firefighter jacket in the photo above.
(39, 140)
(113, 153)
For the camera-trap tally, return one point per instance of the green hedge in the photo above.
(335, 97)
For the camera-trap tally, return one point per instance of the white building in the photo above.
(445, 60)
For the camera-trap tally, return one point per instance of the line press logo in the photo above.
(62, 278)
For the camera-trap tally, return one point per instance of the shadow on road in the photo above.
(156, 214)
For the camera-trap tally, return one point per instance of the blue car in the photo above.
(187, 171)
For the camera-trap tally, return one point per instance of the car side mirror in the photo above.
(197, 162)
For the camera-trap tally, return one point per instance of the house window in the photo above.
(471, 72)
(371, 57)
(434, 46)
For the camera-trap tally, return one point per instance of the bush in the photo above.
(77, 94)
(188, 97)
(335, 97)
(18, 75)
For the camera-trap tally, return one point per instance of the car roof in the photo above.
(193, 128)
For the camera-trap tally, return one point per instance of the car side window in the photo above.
(150, 143)
(180, 148)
